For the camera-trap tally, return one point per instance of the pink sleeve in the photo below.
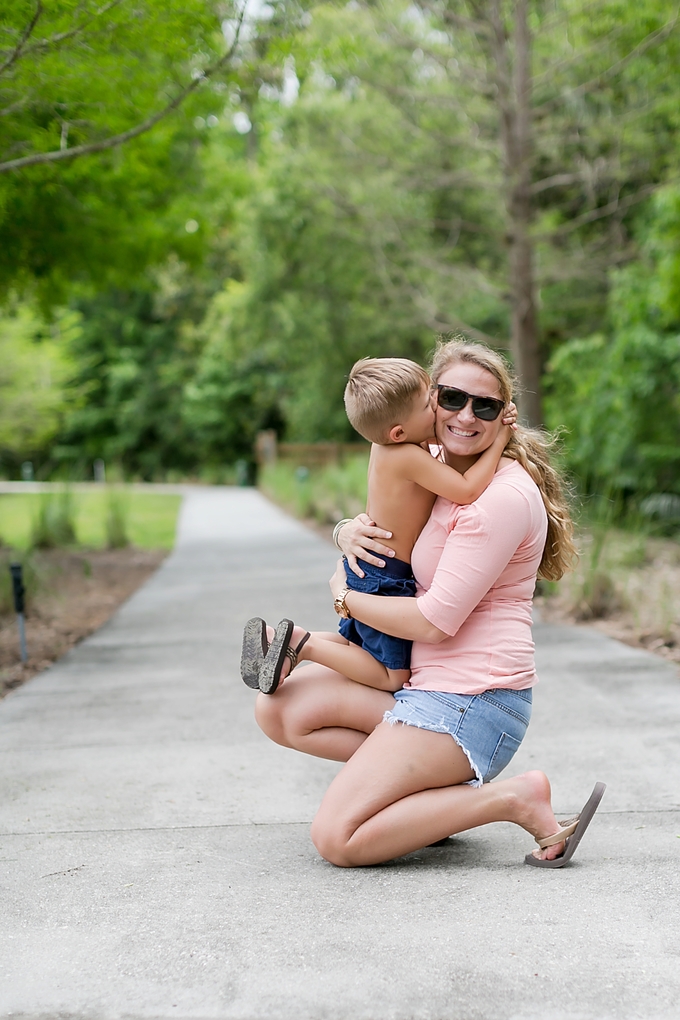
(485, 537)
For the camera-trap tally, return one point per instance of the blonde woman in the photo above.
(419, 761)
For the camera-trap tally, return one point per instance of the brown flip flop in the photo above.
(279, 650)
(571, 833)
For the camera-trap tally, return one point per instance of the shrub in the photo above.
(54, 523)
(116, 523)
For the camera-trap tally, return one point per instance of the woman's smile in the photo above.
(460, 432)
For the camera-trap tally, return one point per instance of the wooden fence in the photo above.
(312, 455)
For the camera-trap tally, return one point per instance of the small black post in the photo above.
(19, 605)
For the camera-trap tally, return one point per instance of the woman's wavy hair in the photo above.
(530, 447)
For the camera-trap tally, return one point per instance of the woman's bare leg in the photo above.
(320, 712)
(415, 797)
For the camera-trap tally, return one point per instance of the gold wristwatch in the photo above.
(339, 604)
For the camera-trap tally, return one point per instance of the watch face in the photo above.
(339, 604)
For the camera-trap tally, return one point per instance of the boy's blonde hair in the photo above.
(380, 394)
(530, 447)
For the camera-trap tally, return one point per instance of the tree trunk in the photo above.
(513, 82)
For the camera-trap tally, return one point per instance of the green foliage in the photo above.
(374, 215)
(34, 366)
(54, 523)
(223, 272)
(619, 395)
(324, 494)
(117, 515)
(234, 391)
(86, 73)
(135, 353)
(312, 299)
(151, 518)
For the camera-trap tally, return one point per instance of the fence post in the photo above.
(266, 447)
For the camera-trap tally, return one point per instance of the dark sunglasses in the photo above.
(451, 399)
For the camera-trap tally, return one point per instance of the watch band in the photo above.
(340, 605)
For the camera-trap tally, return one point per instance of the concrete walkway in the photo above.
(155, 853)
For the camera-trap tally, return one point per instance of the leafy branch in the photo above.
(19, 48)
(134, 132)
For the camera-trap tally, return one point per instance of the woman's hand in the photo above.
(358, 538)
(339, 579)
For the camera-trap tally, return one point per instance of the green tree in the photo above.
(533, 131)
(618, 393)
(78, 79)
(34, 368)
(135, 352)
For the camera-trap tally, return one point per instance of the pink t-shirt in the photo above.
(476, 571)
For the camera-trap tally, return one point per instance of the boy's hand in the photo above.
(358, 539)
(510, 415)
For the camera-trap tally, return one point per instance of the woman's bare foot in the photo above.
(533, 810)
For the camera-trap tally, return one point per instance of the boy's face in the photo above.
(419, 425)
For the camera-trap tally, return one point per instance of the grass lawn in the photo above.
(150, 518)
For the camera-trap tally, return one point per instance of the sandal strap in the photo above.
(294, 653)
(293, 656)
(565, 830)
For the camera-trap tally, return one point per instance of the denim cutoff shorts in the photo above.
(488, 727)
(394, 579)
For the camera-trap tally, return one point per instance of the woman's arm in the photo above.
(398, 616)
(486, 536)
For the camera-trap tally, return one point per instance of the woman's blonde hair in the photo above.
(530, 447)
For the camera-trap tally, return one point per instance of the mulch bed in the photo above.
(77, 593)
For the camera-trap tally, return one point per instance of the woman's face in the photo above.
(459, 432)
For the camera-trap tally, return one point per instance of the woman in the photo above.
(406, 782)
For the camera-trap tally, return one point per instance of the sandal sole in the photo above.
(253, 651)
(585, 818)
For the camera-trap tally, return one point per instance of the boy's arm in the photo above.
(422, 468)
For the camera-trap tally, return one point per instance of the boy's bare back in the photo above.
(394, 502)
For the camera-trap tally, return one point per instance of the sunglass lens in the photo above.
(451, 399)
(486, 409)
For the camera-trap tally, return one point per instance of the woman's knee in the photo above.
(269, 717)
(330, 843)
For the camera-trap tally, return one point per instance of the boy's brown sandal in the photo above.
(279, 650)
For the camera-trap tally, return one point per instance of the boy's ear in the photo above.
(396, 434)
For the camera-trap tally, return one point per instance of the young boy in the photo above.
(390, 403)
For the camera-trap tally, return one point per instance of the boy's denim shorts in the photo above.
(395, 578)
(488, 727)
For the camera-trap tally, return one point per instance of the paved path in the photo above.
(155, 852)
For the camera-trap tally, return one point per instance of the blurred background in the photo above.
(210, 210)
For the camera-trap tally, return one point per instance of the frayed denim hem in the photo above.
(390, 718)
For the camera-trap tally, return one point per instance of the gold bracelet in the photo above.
(340, 605)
